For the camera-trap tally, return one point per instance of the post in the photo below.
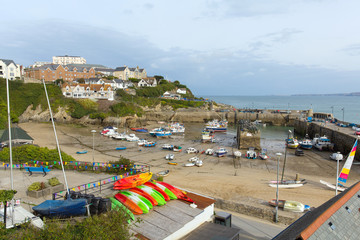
(343, 109)
(282, 175)
(93, 133)
(277, 188)
(337, 174)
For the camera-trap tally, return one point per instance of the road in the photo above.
(254, 228)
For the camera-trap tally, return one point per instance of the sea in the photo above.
(345, 108)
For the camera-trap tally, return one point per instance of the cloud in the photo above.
(352, 50)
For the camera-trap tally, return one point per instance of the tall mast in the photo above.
(56, 138)
(10, 140)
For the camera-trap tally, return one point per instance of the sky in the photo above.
(215, 47)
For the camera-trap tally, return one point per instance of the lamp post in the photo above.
(337, 172)
(277, 187)
(332, 110)
(93, 133)
(343, 110)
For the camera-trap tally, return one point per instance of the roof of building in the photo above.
(87, 65)
(309, 223)
(16, 133)
(212, 231)
(120, 69)
(118, 80)
(8, 62)
(104, 69)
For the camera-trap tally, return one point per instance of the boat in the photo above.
(199, 163)
(207, 136)
(19, 216)
(322, 143)
(177, 149)
(221, 152)
(289, 181)
(153, 186)
(150, 144)
(132, 138)
(209, 151)
(163, 173)
(286, 185)
(169, 157)
(190, 164)
(336, 156)
(292, 143)
(154, 193)
(167, 147)
(344, 172)
(81, 152)
(172, 163)
(132, 181)
(61, 208)
(289, 205)
(251, 154)
(144, 130)
(216, 125)
(141, 142)
(160, 132)
(120, 148)
(179, 194)
(237, 154)
(193, 159)
(263, 154)
(191, 150)
(306, 143)
(117, 205)
(176, 128)
(119, 136)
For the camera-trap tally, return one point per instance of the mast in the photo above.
(282, 175)
(56, 138)
(10, 140)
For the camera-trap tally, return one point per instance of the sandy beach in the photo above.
(239, 180)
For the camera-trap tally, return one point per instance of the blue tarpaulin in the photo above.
(62, 208)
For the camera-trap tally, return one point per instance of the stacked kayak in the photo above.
(132, 181)
(117, 205)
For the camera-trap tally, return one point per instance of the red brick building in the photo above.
(52, 72)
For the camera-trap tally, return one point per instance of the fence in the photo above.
(101, 185)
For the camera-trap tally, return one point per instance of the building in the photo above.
(65, 60)
(52, 72)
(18, 137)
(147, 82)
(124, 73)
(338, 218)
(9, 69)
(92, 91)
(181, 90)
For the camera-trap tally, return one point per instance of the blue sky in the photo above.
(232, 47)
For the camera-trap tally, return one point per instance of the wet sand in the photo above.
(240, 180)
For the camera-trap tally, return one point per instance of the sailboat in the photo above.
(344, 172)
(60, 208)
(17, 215)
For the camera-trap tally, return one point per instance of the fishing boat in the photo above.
(237, 154)
(132, 138)
(120, 148)
(342, 178)
(193, 159)
(322, 143)
(336, 156)
(150, 144)
(251, 154)
(144, 130)
(221, 152)
(177, 149)
(81, 152)
(169, 157)
(167, 147)
(216, 125)
(163, 173)
(141, 142)
(263, 155)
(207, 136)
(209, 151)
(160, 132)
(176, 128)
(199, 163)
(306, 143)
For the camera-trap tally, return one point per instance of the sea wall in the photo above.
(343, 141)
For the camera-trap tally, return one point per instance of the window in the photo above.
(332, 226)
(348, 209)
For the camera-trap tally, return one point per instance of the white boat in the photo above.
(167, 146)
(209, 151)
(336, 156)
(132, 138)
(176, 128)
(221, 152)
(142, 142)
(189, 164)
(306, 143)
(193, 159)
(191, 150)
(342, 178)
(119, 136)
(216, 125)
(251, 154)
(289, 205)
(322, 143)
(286, 185)
(169, 157)
(207, 136)
(199, 163)
(263, 154)
(237, 154)
(21, 216)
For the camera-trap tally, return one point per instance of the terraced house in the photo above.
(124, 73)
(92, 91)
(68, 73)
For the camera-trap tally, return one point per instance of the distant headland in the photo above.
(330, 94)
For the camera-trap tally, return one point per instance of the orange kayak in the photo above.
(131, 205)
(132, 181)
(153, 186)
(178, 193)
(145, 195)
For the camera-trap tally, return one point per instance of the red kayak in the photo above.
(132, 181)
(145, 195)
(153, 186)
(178, 193)
(131, 205)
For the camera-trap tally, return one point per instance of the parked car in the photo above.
(299, 152)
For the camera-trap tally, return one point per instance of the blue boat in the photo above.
(62, 208)
(81, 152)
(120, 148)
(150, 144)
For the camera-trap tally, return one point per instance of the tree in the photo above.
(59, 81)
(176, 82)
(158, 77)
(81, 80)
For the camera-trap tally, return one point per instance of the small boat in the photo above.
(145, 195)
(132, 138)
(199, 163)
(193, 159)
(191, 150)
(209, 151)
(81, 152)
(169, 157)
(286, 185)
(21, 216)
(144, 130)
(62, 208)
(191, 164)
(119, 136)
(163, 173)
(120, 148)
(171, 195)
(150, 144)
(263, 154)
(237, 154)
(216, 126)
(292, 143)
(172, 163)
(139, 196)
(160, 132)
(141, 142)
(288, 205)
(145, 208)
(130, 204)
(288, 181)
(306, 143)
(251, 154)
(221, 152)
(177, 149)
(337, 156)
(117, 205)
(207, 136)
(322, 143)
(167, 147)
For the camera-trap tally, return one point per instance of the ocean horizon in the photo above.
(345, 108)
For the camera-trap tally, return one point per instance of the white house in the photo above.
(147, 82)
(181, 90)
(92, 91)
(9, 69)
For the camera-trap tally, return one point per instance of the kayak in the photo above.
(157, 188)
(120, 148)
(166, 190)
(137, 201)
(127, 202)
(81, 152)
(147, 202)
(178, 193)
(145, 195)
(117, 205)
(155, 194)
(172, 163)
(132, 181)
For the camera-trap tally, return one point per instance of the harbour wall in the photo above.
(343, 141)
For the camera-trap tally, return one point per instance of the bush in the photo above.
(35, 186)
(54, 181)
